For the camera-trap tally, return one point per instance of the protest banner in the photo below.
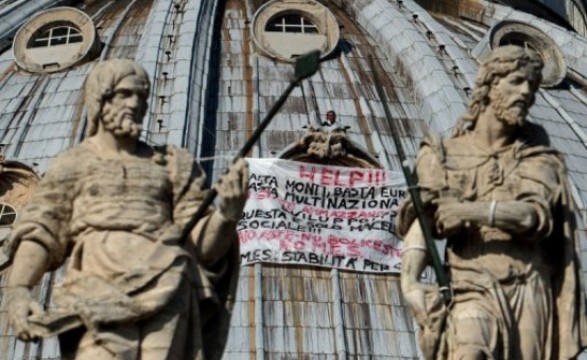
(329, 216)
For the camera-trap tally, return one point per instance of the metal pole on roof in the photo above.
(259, 333)
(414, 191)
(305, 66)
(340, 343)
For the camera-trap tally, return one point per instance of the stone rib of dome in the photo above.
(211, 88)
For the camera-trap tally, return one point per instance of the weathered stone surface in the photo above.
(498, 193)
(115, 207)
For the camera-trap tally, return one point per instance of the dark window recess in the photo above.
(291, 23)
(60, 31)
(55, 36)
(7, 215)
(39, 43)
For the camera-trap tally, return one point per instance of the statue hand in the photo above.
(21, 305)
(451, 216)
(415, 296)
(233, 189)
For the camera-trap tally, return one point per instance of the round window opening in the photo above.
(291, 23)
(54, 40)
(55, 34)
(531, 38)
(7, 215)
(7, 218)
(285, 29)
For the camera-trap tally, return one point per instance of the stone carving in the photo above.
(329, 147)
(17, 182)
(115, 207)
(499, 195)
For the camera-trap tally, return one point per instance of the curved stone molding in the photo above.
(407, 49)
(521, 34)
(332, 148)
(318, 29)
(52, 58)
(572, 45)
(16, 14)
(573, 11)
(17, 182)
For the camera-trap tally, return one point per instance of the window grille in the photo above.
(56, 39)
(291, 23)
(7, 215)
(55, 36)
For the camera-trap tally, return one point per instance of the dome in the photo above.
(211, 85)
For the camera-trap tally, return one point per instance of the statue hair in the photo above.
(501, 62)
(100, 86)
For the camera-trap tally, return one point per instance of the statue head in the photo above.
(507, 81)
(116, 95)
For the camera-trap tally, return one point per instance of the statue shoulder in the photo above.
(69, 161)
(445, 147)
(178, 153)
(74, 153)
(431, 160)
(176, 157)
(183, 167)
(459, 146)
(542, 164)
(446, 152)
(432, 146)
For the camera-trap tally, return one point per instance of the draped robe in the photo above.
(515, 296)
(130, 289)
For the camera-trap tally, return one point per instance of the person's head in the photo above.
(116, 96)
(507, 82)
(331, 116)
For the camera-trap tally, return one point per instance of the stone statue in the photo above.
(329, 148)
(499, 195)
(114, 207)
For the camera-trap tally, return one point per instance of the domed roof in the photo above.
(210, 87)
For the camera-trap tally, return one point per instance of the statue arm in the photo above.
(215, 234)
(528, 214)
(414, 261)
(213, 237)
(30, 263)
(39, 242)
(46, 218)
(430, 179)
(414, 255)
(514, 216)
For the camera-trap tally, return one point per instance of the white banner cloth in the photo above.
(330, 216)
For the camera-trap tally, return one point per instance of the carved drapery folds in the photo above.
(17, 182)
(329, 148)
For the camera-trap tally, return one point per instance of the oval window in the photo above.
(56, 39)
(56, 35)
(7, 215)
(285, 29)
(292, 23)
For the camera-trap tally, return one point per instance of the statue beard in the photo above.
(510, 113)
(121, 124)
